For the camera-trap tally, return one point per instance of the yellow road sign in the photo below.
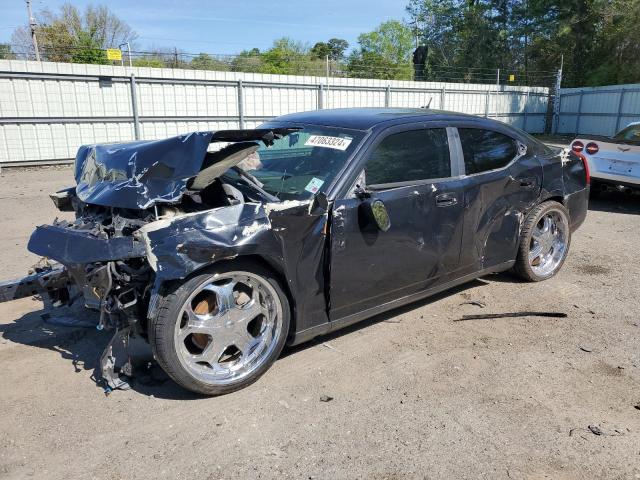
(114, 54)
(512, 78)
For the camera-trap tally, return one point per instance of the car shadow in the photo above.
(616, 201)
(382, 317)
(83, 346)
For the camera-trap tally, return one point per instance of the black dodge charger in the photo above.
(221, 247)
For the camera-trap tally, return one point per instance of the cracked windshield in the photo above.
(303, 163)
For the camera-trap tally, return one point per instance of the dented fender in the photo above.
(287, 235)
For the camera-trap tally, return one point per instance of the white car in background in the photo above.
(612, 161)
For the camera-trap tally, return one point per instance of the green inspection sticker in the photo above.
(314, 185)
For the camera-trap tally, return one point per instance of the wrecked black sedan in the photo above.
(222, 247)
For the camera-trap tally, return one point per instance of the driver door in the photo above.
(409, 168)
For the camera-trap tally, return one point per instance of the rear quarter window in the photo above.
(486, 150)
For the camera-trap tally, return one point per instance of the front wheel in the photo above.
(544, 242)
(221, 329)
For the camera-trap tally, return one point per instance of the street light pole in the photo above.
(129, 51)
(32, 25)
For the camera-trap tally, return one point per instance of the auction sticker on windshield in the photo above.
(337, 143)
(314, 185)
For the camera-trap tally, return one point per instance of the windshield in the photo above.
(303, 163)
(629, 134)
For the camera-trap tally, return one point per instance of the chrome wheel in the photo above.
(228, 327)
(549, 242)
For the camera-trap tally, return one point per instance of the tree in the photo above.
(286, 56)
(383, 53)
(466, 39)
(321, 50)
(337, 47)
(5, 52)
(334, 49)
(152, 61)
(205, 61)
(616, 48)
(247, 61)
(72, 36)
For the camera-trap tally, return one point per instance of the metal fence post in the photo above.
(526, 104)
(579, 112)
(443, 94)
(619, 116)
(240, 105)
(387, 96)
(486, 103)
(320, 97)
(134, 108)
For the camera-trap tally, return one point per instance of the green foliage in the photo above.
(334, 49)
(247, 61)
(150, 61)
(285, 57)
(5, 52)
(468, 38)
(87, 50)
(383, 53)
(206, 62)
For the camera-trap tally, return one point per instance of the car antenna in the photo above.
(428, 105)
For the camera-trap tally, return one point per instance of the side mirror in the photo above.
(377, 213)
(320, 203)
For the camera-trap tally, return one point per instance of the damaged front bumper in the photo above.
(81, 268)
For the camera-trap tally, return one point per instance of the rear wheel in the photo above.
(221, 329)
(544, 242)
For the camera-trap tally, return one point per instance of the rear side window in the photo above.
(486, 150)
(410, 156)
(631, 133)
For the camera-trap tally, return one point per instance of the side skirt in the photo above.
(324, 328)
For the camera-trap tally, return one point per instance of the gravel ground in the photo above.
(415, 393)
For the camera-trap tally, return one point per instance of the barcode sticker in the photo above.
(337, 143)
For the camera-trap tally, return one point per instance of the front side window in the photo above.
(302, 163)
(410, 156)
(486, 150)
(629, 134)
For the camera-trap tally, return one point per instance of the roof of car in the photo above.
(366, 118)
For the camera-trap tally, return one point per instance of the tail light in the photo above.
(585, 163)
(592, 148)
(577, 146)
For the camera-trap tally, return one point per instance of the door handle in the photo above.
(446, 200)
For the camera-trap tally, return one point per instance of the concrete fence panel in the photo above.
(597, 110)
(47, 110)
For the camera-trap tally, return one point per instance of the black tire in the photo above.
(522, 268)
(162, 328)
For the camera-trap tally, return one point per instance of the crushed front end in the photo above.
(100, 264)
(100, 260)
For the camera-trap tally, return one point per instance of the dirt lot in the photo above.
(415, 394)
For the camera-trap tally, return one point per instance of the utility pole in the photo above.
(555, 118)
(32, 25)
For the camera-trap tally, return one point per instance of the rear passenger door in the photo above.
(409, 168)
(503, 181)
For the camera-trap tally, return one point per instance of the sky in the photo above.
(227, 27)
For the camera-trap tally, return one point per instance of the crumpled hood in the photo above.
(140, 174)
